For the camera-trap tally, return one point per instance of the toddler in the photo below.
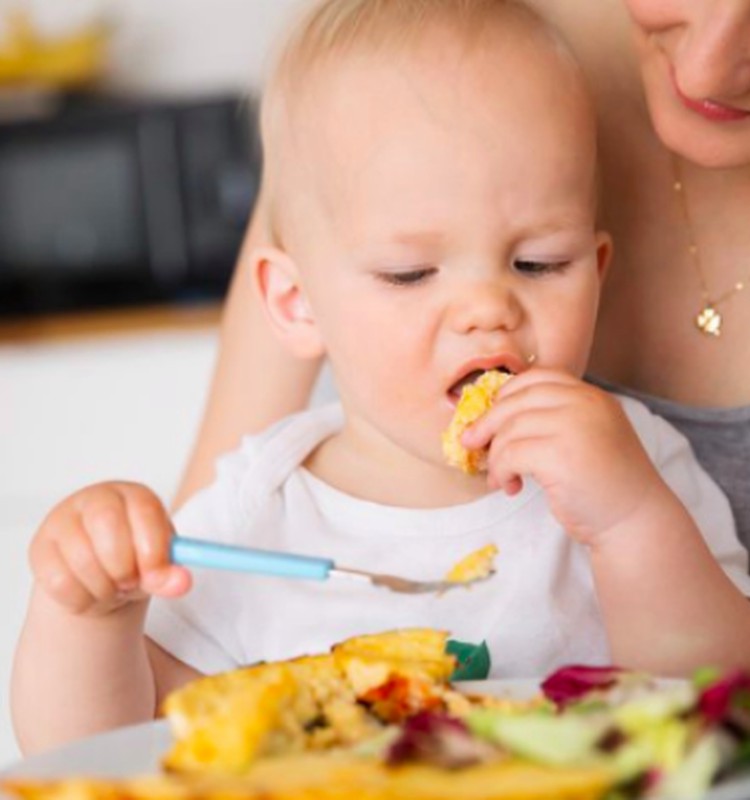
(430, 180)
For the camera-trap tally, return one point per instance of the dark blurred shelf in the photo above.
(55, 327)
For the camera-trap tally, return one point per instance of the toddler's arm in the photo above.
(667, 604)
(83, 664)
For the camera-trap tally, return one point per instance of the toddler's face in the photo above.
(695, 60)
(451, 228)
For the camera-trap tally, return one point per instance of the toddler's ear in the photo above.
(277, 281)
(604, 249)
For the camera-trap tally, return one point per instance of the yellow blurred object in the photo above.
(64, 62)
(475, 566)
(337, 776)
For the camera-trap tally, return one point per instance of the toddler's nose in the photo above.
(488, 307)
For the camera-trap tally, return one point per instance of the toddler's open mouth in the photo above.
(454, 393)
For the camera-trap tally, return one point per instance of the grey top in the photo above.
(720, 438)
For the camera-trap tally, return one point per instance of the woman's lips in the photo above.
(711, 110)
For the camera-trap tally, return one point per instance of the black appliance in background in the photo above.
(113, 203)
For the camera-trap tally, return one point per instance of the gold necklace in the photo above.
(709, 319)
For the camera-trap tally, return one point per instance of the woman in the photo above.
(672, 81)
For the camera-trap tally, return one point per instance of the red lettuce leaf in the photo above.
(571, 683)
(437, 739)
(727, 700)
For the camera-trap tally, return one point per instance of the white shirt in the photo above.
(539, 611)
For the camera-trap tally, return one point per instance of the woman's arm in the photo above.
(255, 381)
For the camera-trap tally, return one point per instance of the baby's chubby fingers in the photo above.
(56, 578)
(104, 518)
(531, 391)
(508, 462)
(104, 547)
(152, 533)
(64, 560)
(79, 555)
(509, 452)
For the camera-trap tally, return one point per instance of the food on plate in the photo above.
(476, 399)
(377, 719)
(477, 565)
(339, 777)
(224, 723)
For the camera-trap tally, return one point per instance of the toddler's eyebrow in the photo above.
(417, 237)
(562, 223)
(380, 245)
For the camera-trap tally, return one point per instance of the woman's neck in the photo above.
(647, 337)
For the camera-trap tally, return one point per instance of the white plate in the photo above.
(138, 749)
(120, 753)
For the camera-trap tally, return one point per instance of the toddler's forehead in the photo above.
(511, 50)
(352, 104)
(511, 85)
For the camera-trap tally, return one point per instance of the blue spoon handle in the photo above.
(198, 553)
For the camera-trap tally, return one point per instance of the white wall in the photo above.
(75, 413)
(181, 46)
(79, 412)
(194, 45)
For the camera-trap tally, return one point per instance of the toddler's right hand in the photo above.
(104, 547)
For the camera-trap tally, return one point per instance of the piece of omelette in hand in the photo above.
(476, 399)
(477, 565)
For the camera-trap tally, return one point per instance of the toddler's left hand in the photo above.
(576, 442)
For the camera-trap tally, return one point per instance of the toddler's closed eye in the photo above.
(407, 277)
(532, 267)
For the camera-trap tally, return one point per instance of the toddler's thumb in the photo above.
(170, 581)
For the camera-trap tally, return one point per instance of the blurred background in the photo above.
(128, 168)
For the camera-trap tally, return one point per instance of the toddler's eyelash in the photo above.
(407, 277)
(531, 267)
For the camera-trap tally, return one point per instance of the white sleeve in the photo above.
(701, 496)
(199, 628)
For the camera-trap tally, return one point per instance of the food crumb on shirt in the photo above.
(477, 565)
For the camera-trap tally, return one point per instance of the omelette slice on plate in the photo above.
(223, 723)
(340, 777)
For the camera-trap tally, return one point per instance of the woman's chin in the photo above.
(707, 143)
(701, 143)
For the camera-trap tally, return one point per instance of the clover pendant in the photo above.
(709, 321)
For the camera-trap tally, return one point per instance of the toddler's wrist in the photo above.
(123, 611)
(658, 508)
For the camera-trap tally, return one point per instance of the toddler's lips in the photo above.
(454, 393)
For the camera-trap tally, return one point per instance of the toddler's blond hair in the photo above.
(330, 30)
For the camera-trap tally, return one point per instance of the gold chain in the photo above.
(708, 320)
